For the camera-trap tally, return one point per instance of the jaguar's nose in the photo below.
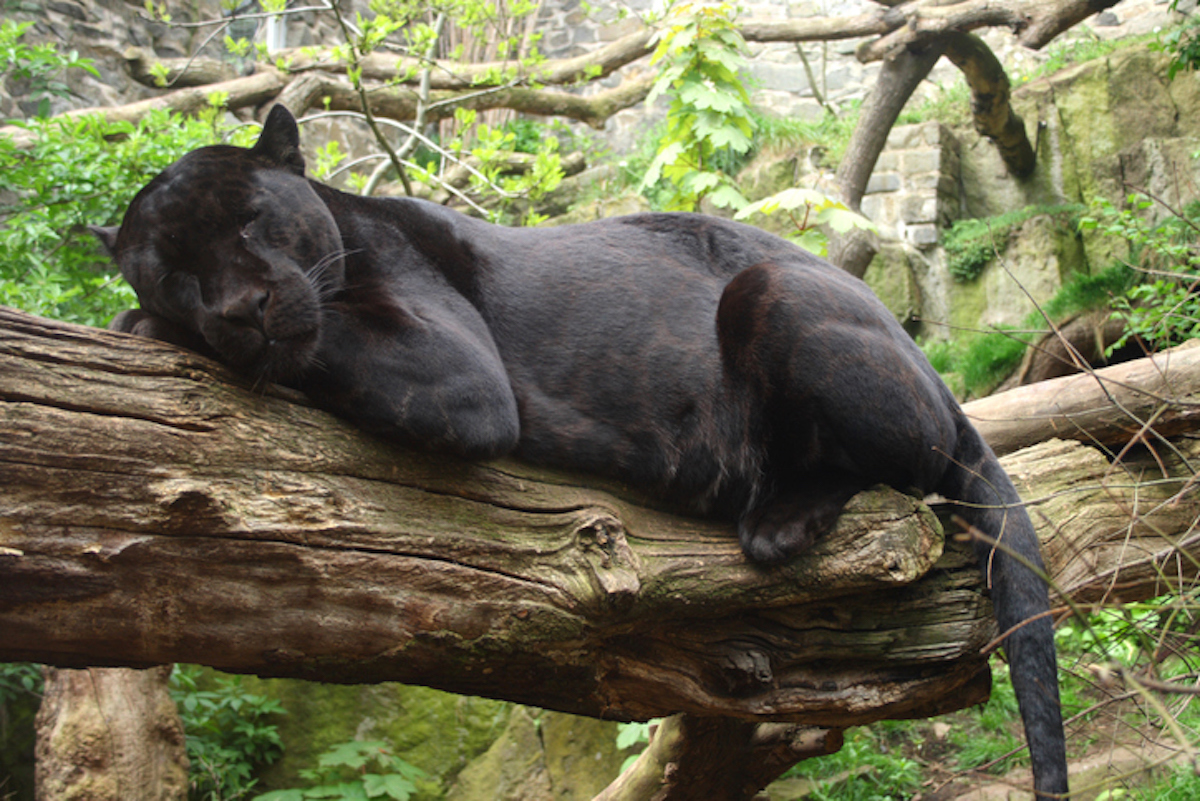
(250, 308)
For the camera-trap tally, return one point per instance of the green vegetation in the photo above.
(810, 212)
(971, 243)
(42, 65)
(981, 360)
(699, 53)
(1163, 309)
(949, 105)
(893, 760)
(354, 771)
(79, 171)
(229, 732)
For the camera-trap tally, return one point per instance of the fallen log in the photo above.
(155, 508)
(1136, 401)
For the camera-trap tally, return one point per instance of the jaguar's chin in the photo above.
(288, 361)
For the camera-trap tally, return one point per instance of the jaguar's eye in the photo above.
(246, 225)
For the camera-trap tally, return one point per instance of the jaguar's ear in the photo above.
(107, 234)
(279, 142)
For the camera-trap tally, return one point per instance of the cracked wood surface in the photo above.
(155, 508)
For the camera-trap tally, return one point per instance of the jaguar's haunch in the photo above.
(707, 362)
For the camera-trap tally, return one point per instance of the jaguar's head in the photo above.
(234, 245)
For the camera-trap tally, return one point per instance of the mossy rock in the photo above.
(892, 278)
(1039, 256)
(543, 756)
(438, 732)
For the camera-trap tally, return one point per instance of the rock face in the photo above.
(473, 749)
(1102, 129)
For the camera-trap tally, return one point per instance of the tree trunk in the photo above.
(154, 508)
(184, 518)
(993, 114)
(1110, 407)
(109, 735)
(693, 757)
(897, 80)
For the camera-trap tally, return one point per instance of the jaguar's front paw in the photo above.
(785, 525)
(142, 323)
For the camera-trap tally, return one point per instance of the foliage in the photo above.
(828, 132)
(971, 243)
(699, 53)
(1182, 43)
(981, 360)
(81, 171)
(950, 105)
(634, 735)
(990, 740)
(1063, 54)
(19, 680)
(1083, 292)
(1164, 309)
(414, 28)
(869, 767)
(354, 771)
(228, 730)
(41, 65)
(810, 211)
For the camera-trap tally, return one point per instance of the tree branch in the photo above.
(990, 108)
(1108, 407)
(153, 509)
(400, 103)
(157, 511)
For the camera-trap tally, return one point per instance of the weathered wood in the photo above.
(153, 510)
(1110, 406)
(690, 758)
(252, 90)
(314, 90)
(110, 735)
(991, 111)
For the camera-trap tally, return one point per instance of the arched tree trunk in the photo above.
(898, 79)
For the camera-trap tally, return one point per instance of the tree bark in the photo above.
(109, 735)
(1110, 407)
(993, 115)
(185, 518)
(155, 508)
(252, 90)
(897, 80)
(693, 757)
(314, 90)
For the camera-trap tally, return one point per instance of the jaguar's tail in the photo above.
(987, 500)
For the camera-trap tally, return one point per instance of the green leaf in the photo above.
(841, 219)
(698, 182)
(281, 795)
(727, 197)
(391, 785)
(667, 156)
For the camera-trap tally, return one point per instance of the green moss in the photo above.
(949, 105)
(1084, 292)
(435, 731)
(973, 364)
(970, 244)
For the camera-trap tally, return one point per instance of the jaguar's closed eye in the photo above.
(246, 224)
